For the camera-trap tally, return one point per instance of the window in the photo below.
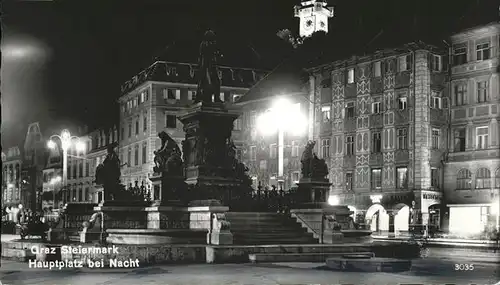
(350, 75)
(295, 176)
(348, 181)
(388, 66)
(376, 178)
(483, 51)
(464, 179)
(483, 178)
(482, 137)
(87, 168)
(460, 54)
(404, 62)
(435, 100)
(435, 177)
(129, 157)
(459, 136)
(263, 165)
(402, 177)
(376, 142)
(402, 102)
(171, 121)
(402, 135)
(145, 122)
(136, 155)
(191, 95)
(253, 153)
(273, 150)
(172, 94)
(376, 106)
(137, 126)
(325, 114)
(295, 149)
(435, 138)
(350, 111)
(80, 169)
(325, 148)
(145, 152)
(436, 62)
(129, 130)
(460, 94)
(74, 170)
(482, 91)
(349, 145)
(237, 124)
(497, 179)
(485, 213)
(377, 69)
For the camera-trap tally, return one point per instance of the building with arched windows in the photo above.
(11, 180)
(472, 172)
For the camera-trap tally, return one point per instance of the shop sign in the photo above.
(432, 196)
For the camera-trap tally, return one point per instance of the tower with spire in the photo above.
(313, 15)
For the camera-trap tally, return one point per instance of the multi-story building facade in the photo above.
(100, 139)
(11, 180)
(151, 102)
(472, 174)
(380, 122)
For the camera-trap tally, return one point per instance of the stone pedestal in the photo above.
(167, 189)
(313, 190)
(213, 220)
(209, 165)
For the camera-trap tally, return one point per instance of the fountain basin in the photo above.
(156, 236)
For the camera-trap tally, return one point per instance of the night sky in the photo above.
(83, 50)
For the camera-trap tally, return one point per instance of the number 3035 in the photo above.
(464, 267)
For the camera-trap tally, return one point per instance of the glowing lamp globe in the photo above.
(80, 146)
(333, 200)
(51, 144)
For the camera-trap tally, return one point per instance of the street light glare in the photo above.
(80, 146)
(333, 200)
(51, 144)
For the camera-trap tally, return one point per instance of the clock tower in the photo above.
(314, 15)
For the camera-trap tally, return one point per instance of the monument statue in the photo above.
(108, 173)
(168, 159)
(312, 166)
(208, 78)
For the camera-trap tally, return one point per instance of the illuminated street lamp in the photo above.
(53, 182)
(66, 142)
(283, 116)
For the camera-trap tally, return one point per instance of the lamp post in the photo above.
(67, 140)
(283, 116)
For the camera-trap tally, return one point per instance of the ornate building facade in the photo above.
(11, 180)
(380, 122)
(472, 174)
(151, 102)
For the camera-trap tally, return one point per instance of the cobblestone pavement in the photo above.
(425, 271)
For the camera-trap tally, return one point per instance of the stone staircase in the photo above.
(260, 228)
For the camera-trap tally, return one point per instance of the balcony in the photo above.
(474, 155)
(473, 66)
